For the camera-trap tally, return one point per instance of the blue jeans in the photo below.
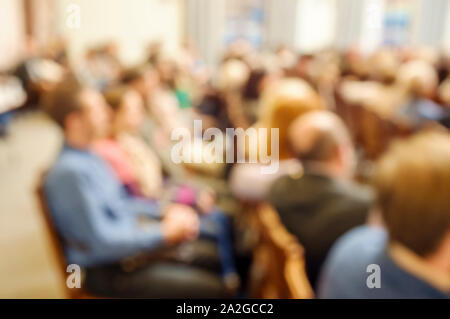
(5, 118)
(216, 226)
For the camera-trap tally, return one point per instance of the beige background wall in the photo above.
(446, 38)
(12, 32)
(316, 24)
(28, 268)
(132, 23)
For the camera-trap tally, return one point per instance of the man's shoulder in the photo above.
(364, 240)
(303, 181)
(280, 184)
(359, 266)
(68, 164)
(355, 192)
(346, 268)
(284, 187)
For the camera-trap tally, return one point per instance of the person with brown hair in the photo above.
(133, 161)
(282, 103)
(410, 256)
(139, 169)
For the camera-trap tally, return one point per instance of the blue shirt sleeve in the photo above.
(148, 208)
(110, 235)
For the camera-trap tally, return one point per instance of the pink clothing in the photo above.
(185, 195)
(125, 169)
(111, 151)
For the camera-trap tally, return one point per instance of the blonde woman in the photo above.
(281, 104)
(140, 171)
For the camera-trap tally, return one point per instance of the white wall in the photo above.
(281, 22)
(12, 32)
(315, 24)
(131, 23)
(371, 33)
(205, 22)
(446, 37)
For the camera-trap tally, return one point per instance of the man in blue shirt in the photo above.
(100, 225)
(410, 256)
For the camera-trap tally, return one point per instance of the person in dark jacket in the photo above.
(323, 203)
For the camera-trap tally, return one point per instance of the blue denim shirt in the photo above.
(97, 220)
(345, 272)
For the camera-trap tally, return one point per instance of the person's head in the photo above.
(81, 112)
(254, 84)
(444, 92)
(144, 79)
(418, 77)
(321, 139)
(384, 65)
(284, 101)
(154, 50)
(167, 69)
(233, 75)
(127, 107)
(412, 182)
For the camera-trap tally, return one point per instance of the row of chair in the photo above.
(278, 269)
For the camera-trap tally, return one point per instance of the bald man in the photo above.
(324, 202)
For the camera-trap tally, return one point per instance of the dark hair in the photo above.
(63, 100)
(114, 96)
(252, 88)
(134, 73)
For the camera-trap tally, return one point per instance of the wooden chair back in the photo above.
(278, 260)
(56, 246)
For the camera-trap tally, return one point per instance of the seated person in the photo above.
(444, 98)
(140, 171)
(12, 96)
(323, 203)
(420, 82)
(100, 225)
(281, 104)
(163, 116)
(411, 258)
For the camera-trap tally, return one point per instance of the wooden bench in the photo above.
(278, 269)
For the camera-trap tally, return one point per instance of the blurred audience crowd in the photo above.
(353, 192)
